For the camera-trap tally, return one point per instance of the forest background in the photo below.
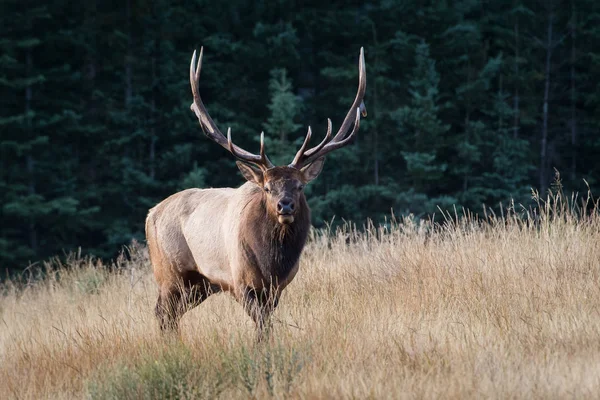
(471, 104)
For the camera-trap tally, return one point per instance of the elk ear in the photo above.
(251, 174)
(312, 170)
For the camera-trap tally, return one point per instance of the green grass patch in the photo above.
(180, 372)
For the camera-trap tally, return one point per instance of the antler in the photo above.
(341, 138)
(210, 128)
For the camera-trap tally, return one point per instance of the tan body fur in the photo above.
(202, 241)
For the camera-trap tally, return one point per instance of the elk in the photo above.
(245, 241)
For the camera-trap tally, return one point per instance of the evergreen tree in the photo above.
(280, 126)
(422, 134)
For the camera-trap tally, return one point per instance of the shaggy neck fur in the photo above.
(272, 247)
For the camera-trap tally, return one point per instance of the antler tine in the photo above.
(199, 65)
(264, 159)
(333, 145)
(195, 71)
(208, 125)
(350, 137)
(231, 146)
(323, 142)
(210, 128)
(342, 137)
(302, 153)
(358, 100)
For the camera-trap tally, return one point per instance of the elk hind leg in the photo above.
(166, 310)
(191, 290)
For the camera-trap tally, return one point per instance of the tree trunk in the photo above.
(92, 108)
(573, 95)
(30, 160)
(500, 93)
(516, 111)
(153, 119)
(466, 176)
(544, 144)
(128, 58)
(375, 107)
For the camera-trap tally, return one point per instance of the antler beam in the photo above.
(210, 128)
(341, 138)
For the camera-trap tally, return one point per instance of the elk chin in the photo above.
(285, 219)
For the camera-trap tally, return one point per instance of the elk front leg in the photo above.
(260, 304)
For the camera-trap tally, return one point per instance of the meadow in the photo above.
(488, 306)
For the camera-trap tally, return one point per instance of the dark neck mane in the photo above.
(273, 248)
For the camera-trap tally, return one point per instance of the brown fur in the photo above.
(202, 241)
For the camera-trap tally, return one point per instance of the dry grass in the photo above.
(503, 309)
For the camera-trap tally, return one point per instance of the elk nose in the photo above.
(285, 206)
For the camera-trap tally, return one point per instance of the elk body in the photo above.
(246, 241)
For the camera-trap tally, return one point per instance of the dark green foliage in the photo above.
(422, 137)
(180, 373)
(469, 103)
(284, 108)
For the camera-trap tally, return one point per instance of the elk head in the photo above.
(282, 186)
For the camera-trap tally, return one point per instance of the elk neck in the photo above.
(272, 247)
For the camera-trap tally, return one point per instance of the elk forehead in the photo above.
(283, 174)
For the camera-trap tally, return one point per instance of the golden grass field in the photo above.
(509, 308)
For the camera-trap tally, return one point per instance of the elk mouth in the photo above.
(285, 218)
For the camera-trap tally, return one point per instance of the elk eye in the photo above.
(267, 190)
(300, 187)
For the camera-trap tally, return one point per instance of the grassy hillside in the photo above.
(507, 308)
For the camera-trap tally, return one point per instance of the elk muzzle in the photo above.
(285, 211)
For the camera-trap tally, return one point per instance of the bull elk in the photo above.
(246, 241)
